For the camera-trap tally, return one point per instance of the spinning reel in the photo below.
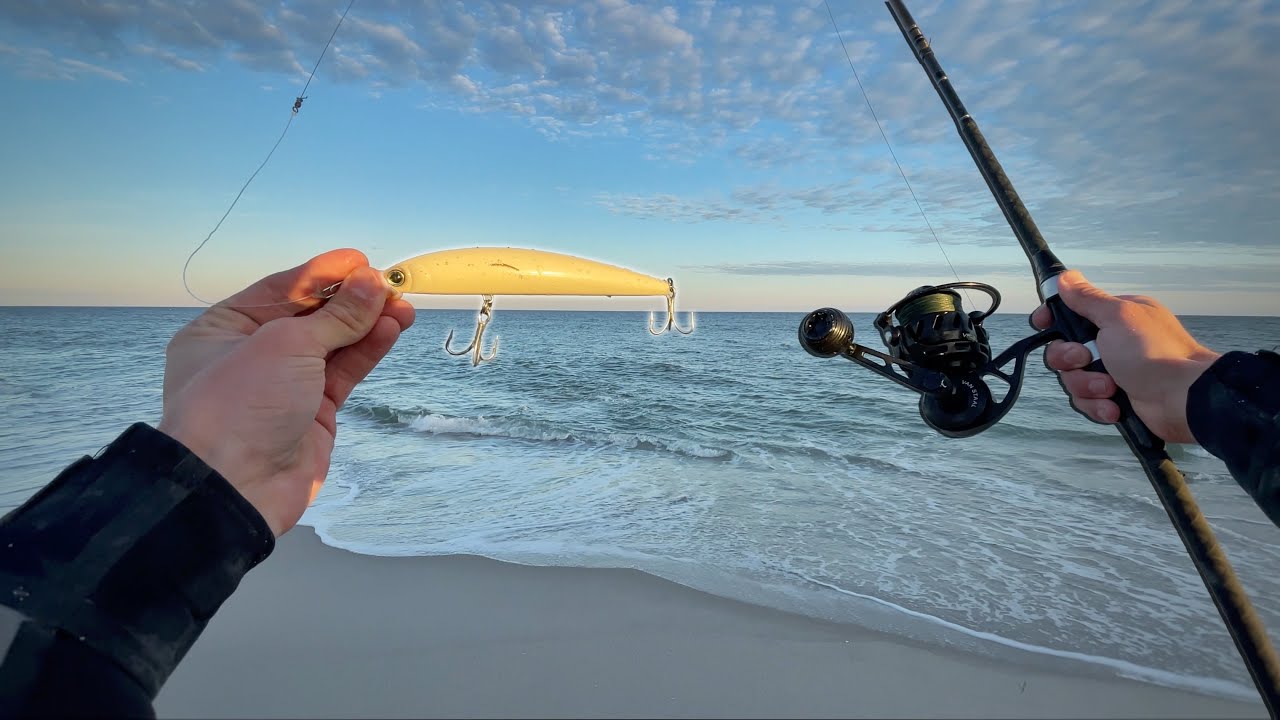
(939, 350)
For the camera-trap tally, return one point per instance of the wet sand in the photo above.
(321, 632)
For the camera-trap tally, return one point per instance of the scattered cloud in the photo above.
(1148, 122)
(39, 63)
(1154, 277)
(76, 67)
(756, 204)
(808, 268)
(169, 58)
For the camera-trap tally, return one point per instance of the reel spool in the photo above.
(934, 332)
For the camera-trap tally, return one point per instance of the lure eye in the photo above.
(396, 277)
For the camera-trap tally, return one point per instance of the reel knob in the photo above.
(825, 332)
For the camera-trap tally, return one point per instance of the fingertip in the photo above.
(325, 269)
(1105, 412)
(338, 262)
(352, 256)
(1062, 355)
(389, 327)
(401, 311)
(1041, 317)
(366, 283)
(1073, 286)
(1108, 412)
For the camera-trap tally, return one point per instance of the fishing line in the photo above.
(892, 154)
(929, 304)
(297, 105)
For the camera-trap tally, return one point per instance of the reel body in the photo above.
(935, 348)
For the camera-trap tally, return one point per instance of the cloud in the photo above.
(1148, 122)
(77, 68)
(245, 30)
(1151, 277)
(41, 64)
(169, 58)
(675, 208)
(756, 204)
(1147, 119)
(817, 268)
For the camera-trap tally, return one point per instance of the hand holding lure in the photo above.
(943, 353)
(491, 271)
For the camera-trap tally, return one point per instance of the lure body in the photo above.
(489, 271)
(518, 271)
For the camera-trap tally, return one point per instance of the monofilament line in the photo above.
(332, 35)
(288, 123)
(887, 144)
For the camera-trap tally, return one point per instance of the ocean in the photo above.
(729, 461)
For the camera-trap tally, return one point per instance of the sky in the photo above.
(726, 145)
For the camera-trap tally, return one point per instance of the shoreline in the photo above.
(909, 627)
(319, 631)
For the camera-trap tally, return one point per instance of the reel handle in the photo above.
(826, 332)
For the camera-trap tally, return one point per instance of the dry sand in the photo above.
(320, 632)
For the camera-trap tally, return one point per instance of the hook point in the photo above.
(475, 348)
(671, 316)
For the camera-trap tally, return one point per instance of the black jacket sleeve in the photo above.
(110, 573)
(1233, 411)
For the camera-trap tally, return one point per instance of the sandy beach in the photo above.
(321, 632)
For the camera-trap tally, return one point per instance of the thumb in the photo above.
(351, 313)
(1089, 301)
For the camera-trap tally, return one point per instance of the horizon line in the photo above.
(572, 310)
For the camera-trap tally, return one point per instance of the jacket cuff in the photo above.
(1233, 410)
(132, 552)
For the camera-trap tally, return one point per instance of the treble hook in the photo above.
(486, 314)
(671, 315)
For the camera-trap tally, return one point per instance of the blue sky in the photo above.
(724, 144)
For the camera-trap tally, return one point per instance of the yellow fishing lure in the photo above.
(490, 271)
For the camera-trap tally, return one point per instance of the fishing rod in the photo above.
(944, 354)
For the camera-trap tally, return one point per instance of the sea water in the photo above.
(729, 461)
